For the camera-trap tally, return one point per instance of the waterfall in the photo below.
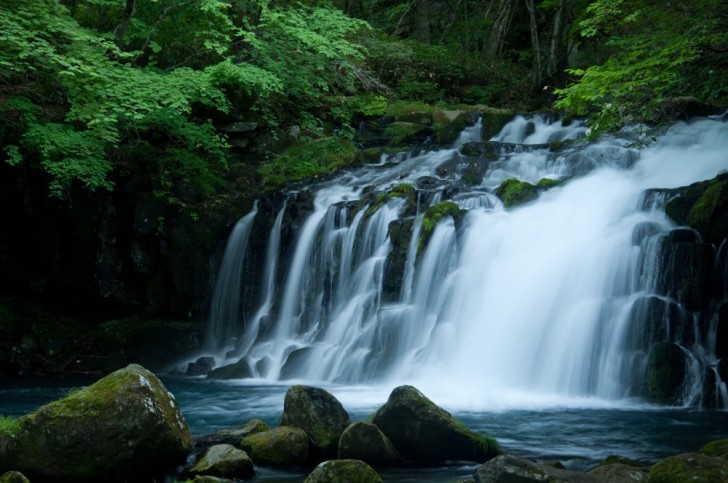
(543, 301)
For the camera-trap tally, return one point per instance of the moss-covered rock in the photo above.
(619, 473)
(514, 192)
(690, 467)
(666, 371)
(704, 207)
(510, 468)
(548, 183)
(434, 214)
(400, 232)
(234, 435)
(448, 125)
(224, 461)
(236, 370)
(13, 477)
(365, 442)
(716, 449)
(406, 133)
(125, 426)
(493, 120)
(320, 415)
(352, 471)
(424, 433)
(282, 447)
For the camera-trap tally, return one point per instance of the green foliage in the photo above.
(9, 426)
(514, 192)
(312, 159)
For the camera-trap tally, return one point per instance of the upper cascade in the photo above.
(413, 271)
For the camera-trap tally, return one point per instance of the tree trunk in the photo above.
(501, 26)
(535, 44)
(422, 21)
(557, 52)
(126, 16)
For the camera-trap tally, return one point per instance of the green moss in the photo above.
(548, 183)
(434, 214)
(401, 109)
(702, 211)
(692, 467)
(284, 446)
(400, 133)
(9, 426)
(718, 449)
(471, 179)
(319, 157)
(514, 192)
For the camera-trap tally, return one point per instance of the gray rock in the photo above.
(234, 435)
(200, 367)
(345, 471)
(320, 415)
(619, 473)
(224, 461)
(513, 469)
(365, 442)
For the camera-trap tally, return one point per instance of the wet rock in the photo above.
(721, 335)
(283, 447)
(448, 125)
(689, 467)
(407, 133)
(320, 415)
(644, 230)
(653, 320)
(703, 206)
(13, 477)
(365, 442)
(344, 471)
(686, 269)
(294, 364)
(224, 461)
(619, 473)
(513, 469)
(666, 372)
(236, 370)
(125, 426)
(425, 433)
(234, 435)
(400, 232)
(514, 192)
(201, 366)
(681, 109)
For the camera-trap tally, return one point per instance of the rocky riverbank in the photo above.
(128, 427)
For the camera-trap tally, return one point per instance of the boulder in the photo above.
(13, 477)
(514, 192)
(620, 473)
(514, 469)
(690, 467)
(704, 207)
(716, 449)
(125, 426)
(365, 442)
(320, 415)
(200, 367)
(223, 461)
(236, 370)
(666, 372)
(424, 433)
(352, 471)
(282, 447)
(234, 435)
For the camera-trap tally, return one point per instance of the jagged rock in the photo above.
(513, 469)
(236, 370)
(666, 373)
(125, 426)
(234, 435)
(353, 471)
(14, 477)
(365, 442)
(690, 467)
(320, 415)
(201, 366)
(224, 461)
(282, 447)
(425, 433)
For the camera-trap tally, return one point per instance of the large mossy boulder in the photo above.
(223, 461)
(282, 447)
(13, 477)
(514, 469)
(703, 206)
(424, 433)
(716, 449)
(666, 372)
(447, 125)
(513, 192)
(366, 442)
(126, 426)
(351, 471)
(320, 415)
(690, 467)
(233, 435)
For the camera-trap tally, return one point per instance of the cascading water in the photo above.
(500, 306)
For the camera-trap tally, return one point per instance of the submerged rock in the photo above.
(225, 461)
(126, 426)
(353, 471)
(282, 447)
(234, 435)
(513, 469)
(365, 442)
(425, 433)
(320, 415)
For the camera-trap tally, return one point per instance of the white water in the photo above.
(526, 307)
